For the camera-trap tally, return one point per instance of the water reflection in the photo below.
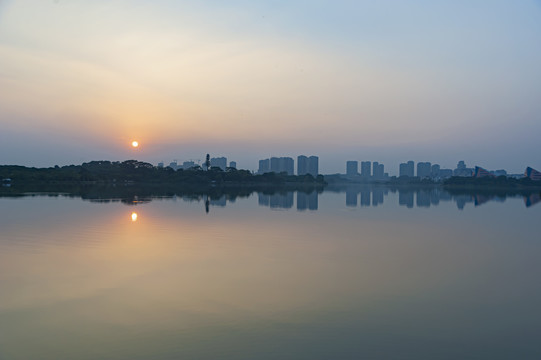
(304, 199)
(307, 201)
(81, 280)
(425, 197)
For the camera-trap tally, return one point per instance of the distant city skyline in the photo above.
(382, 81)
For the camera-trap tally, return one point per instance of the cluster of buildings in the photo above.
(220, 162)
(305, 165)
(374, 171)
(369, 170)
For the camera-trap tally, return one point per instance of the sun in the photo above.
(134, 144)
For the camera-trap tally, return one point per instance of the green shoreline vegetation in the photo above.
(138, 172)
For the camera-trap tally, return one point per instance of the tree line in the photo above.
(133, 171)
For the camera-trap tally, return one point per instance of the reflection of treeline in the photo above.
(137, 193)
(500, 182)
(141, 172)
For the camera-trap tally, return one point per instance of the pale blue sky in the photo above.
(436, 81)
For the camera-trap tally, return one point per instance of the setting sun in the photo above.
(134, 144)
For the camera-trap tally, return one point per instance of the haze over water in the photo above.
(271, 276)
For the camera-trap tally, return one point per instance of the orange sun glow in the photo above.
(134, 144)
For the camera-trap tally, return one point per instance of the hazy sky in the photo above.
(389, 81)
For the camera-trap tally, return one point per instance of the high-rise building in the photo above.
(233, 164)
(264, 166)
(220, 162)
(407, 169)
(186, 165)
(313, 165)
(160, 164)
(377, 171)
(366, 169)
(435, 171)
(275, 165)
(424, 169)
(302, 165)
(282, 164)
(352, 168)
(287, 164)
(462, 170)
(532, 174)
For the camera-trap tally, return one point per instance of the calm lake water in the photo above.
(358, 273)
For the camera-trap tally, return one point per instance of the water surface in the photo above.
(356, 273)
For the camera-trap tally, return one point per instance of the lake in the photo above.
(346, 273)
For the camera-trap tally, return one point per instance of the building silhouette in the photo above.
(186, 165)
(352, 168)
(302, 165)
(435, 171)
(424, 170)
(264, 166)
(378, 172)
(462, 170)
(277, 165)
(366, 169)
(479, 172)
(532, 174)
(407, 169)
(307, 165)
(220, 162)
(233, 164)
(313, 165)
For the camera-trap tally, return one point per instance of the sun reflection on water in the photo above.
(133, 216)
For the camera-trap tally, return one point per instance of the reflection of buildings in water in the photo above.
(263, 199)
(480, 199)
(423, 198)
(378, 195)
(365, 197)
(435, 197)
(532, 199)
(307, 201)
(462, 200)
(281, 201)
(222, 201)
(351, 197)
(444, 195)
(405, 198)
